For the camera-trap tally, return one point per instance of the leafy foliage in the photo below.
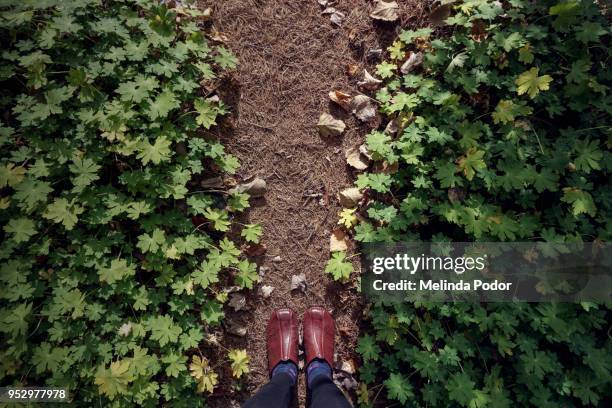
(111, 270)
(239, 362)
(503, 134)
(338, 267)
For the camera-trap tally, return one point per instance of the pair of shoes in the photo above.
(282, 337)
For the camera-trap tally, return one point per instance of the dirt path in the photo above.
(291, 56)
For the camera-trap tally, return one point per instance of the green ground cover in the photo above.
(113, 258)
(503, 134)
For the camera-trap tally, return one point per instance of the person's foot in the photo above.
(319, 333)
(282, 343)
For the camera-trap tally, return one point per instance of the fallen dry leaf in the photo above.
(415, 60)
(329, 126)
(479, 31)
(266, 291)
(348, 367)
(338, 241)
(385, 10)
(237, 301)
(440, 14)
(342, 99)
(237, 329)
(350, 197)
(298, 282)
(218, 36)
(125, 329)
(369, 83)
(363, 149)
(335, 16)
(253, 250)
(352, 69)
(255, 188)
(355, 159)
(390, 168)
(392, 127)
(348, 382)
(364, 108)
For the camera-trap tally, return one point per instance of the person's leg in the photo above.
(319, 337)
(322, 392)
(278, 393)
(282, 345)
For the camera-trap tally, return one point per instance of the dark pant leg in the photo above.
(325, 394)
(278, 393)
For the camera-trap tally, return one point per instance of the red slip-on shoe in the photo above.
(319, 333)
(282, 338)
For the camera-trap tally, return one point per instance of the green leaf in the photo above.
(31, 193)
(380, 182)
(247, 274)
(64, 212)
(590, 32)
(252, 233)
(86, 172)
(445, 173)
(151, 243)
(207, 113)
(15, 321)
(117, 270)
(164, 103)
(471, 162)
(338, 267)
(11, 175)
(530, 83)
(408, 36)
(403, 101)
(566, 12)
(588, 155)
(460, 388)
(219, 218)
(398, 387)
(163, 330)
(581, 201)
(385, 70)
(546, 180)
(239, 362)
(525, 54)
(507, 111)
(434, 135)
(238, 201)
(114, 380)
(175, 364)
(368, 348)
(225, 59)
(212, 312)
(379, 144)
(46, 358)
(21, 229)
(579, 71)
(136, 209)
(156, 153)
(206, 274)
(514, 40)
